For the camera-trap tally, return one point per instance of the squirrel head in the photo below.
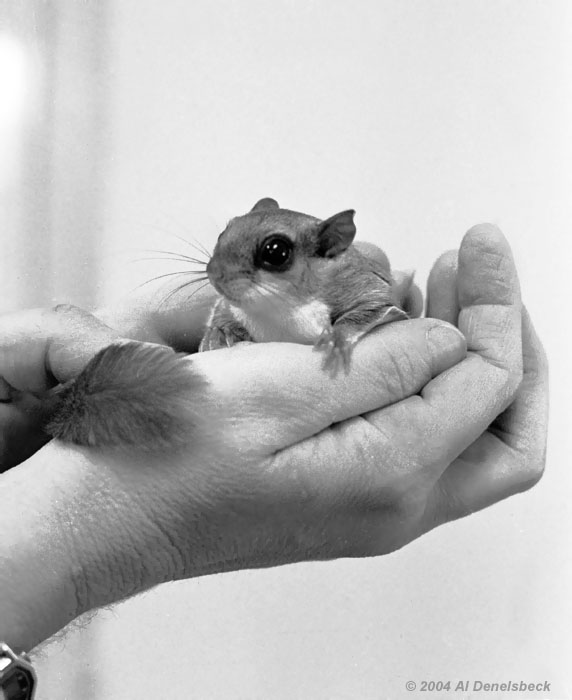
(270, 253)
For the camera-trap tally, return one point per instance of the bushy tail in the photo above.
(129, 394)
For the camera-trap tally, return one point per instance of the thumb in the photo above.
(42, 347)
(265, 397)
(38, 349)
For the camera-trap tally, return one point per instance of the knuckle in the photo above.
(533, 470)
(402, 497)
(486, 257)
(58, 319)
(515, 377)
(543, 364)
(513, 380)
(499, 378)
(67, 310)
(508, 382)
(401, 368)
(375, 535)
(68, 316)
(409, 506)
(536, 364)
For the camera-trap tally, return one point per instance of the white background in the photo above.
(426, 117)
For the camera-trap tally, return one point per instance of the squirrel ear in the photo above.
(336, 234)
(266, 203)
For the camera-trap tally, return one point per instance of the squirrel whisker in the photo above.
(274, 295)
(172, 293)
(172, 253)
(202, 249)
(174, 257)
(172, 274)
(194, 243)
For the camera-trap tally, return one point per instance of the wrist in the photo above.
(65, 548)
(37, 592)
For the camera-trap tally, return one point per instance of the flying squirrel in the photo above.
(280, 275)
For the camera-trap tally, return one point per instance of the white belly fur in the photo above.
(302, 323)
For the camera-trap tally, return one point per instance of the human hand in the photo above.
(40, 348)
(510, 455)
(286, 464)
(475, 435)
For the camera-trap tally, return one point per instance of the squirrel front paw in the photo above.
(338, 341)
(213, 339)
(337, 348)
(393, 313)
(224, 336)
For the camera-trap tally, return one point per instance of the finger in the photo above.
(77, 337)
(41, 347)
(414, 301)
(20, 434)
(442, 296)
(280, 392)
(452, 411)
(408, 295)
(160, 316)
(373, 252)
(490, 313)
(511, 456)
(38, 349)
(459, 404)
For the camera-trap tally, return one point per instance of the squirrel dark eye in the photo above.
(275, 254)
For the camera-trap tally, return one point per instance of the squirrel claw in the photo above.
(224, 336)
(216, 338)
(337, 351)
(394, 313)
(208, 341)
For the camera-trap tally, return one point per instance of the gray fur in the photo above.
(129, 395)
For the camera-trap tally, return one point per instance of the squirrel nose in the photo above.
(216, 275)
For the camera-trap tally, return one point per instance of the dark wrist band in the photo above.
(17, 675)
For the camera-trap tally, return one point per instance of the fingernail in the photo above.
(445, 337)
